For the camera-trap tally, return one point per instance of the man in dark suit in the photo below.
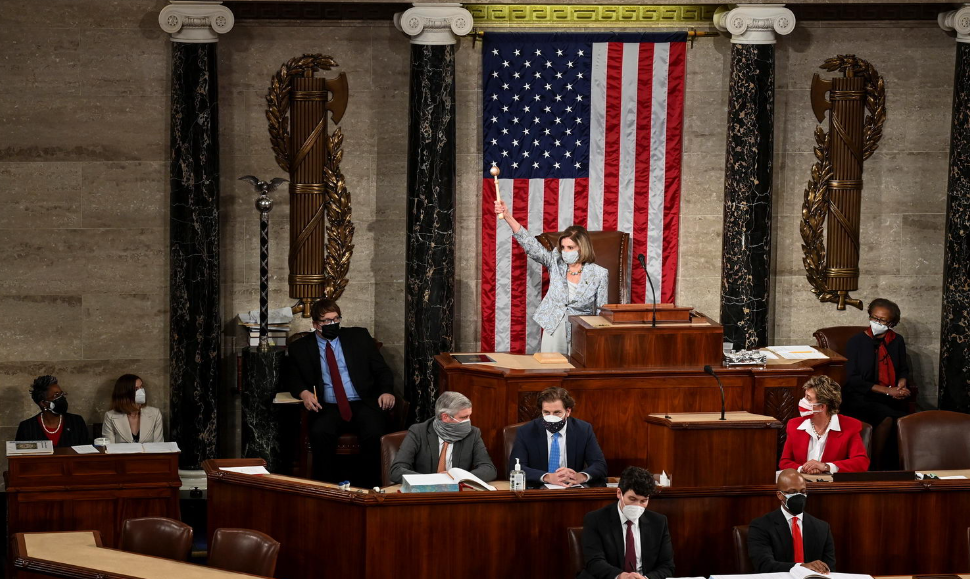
(787, 537)
(556, 448)
(446, 441)
(624, 540)
(340, 375)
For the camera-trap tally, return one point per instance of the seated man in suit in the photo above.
(624, 540)
(446, 441)
(788, 537)
(343, 367)
(557, 448)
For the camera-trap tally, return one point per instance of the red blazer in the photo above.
(843, 448)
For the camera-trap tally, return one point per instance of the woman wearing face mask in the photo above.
(577, 286)
(129, 419)
(820, 440)
(53, 422)
(877, 374)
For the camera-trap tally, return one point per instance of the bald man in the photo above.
(788, 537)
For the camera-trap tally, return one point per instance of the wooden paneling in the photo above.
(643, 346)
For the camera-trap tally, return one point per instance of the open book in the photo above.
(443, 482)
(798, 572)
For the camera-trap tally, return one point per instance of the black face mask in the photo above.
(330, 332)
(554, 427)
(58, 406)
(796, 503)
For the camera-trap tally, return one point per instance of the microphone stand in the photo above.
(653, 291)
(710, 371)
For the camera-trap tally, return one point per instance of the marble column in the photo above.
(429, 300)
(746, 244)
(195, 328)
(954, 384)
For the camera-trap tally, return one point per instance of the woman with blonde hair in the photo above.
(821, 440)
(130, 419)
(577, 286)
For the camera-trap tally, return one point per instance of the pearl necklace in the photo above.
(60, 420)
(575, 272)
(817, 433)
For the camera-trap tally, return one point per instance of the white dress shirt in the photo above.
(816, 443)
(801, 527)
(451, 447)
(636, 535)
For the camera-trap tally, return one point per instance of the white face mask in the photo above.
(140, 396)
(632, 512)
(877, 328)
(806, 408)
(570, 257)
(551, 418)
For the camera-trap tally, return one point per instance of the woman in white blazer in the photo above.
(129, 419)
(577, 286)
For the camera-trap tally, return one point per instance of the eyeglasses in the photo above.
(880, 320)
(329, 321)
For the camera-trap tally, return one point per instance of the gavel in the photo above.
(495, 171)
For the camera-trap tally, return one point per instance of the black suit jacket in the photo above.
(583, 453)
(861, 371)
(369, 373)
(770, 546)
(75, 431)
(604, 542)
(419, 454)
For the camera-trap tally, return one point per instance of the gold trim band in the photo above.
(307, 189)
(310, 95)
(842, 272)
(847, 95)
(587, 15)
(308, 279)
(845, 184)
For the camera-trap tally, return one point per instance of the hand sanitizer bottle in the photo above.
(517, 478)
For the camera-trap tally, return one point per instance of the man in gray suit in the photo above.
(448, 440)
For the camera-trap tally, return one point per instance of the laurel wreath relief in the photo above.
(336, 208)
(816, 202)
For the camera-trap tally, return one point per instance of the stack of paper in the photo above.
(17, 448)
(135, 448)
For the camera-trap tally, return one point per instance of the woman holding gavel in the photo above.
(577, 286)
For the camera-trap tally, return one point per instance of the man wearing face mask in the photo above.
(556, 448)
(623, 540)
(53, 422)
(342, 379)
(788, 537)
(446, 441)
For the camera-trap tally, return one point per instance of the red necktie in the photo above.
(338, 386)
(630, 560)
(796, 537)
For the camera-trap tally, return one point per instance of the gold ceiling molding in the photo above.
(588, 15)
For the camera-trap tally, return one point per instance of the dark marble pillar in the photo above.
(194, 239)
(746, 246)
(954, 389)
(260, 378)
(429, 300)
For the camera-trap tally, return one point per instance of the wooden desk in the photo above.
(81, 555)
(617, 401)
(598, 343)
(66, 491)
(506, 534)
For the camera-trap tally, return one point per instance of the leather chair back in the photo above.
(612, 250)
(575, 562)
(742, 562)
(157, 537)
(836, 337)
(508, 438)
(243, 551)
(866, 435)
(390, 444)
(935, 439)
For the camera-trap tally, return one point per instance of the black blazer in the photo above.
(583, 453)
(75, 431)
(604, 542)
(861, 370)
(419, 454)
(369, 373)
(770, 545)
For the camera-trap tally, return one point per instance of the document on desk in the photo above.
(797, 352)
(124, 448)
(557, 487)
(448, 481)
(85, 449)
(795, 573)
(245, 469)
(161, 447)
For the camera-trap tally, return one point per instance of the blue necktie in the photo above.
(554, 453)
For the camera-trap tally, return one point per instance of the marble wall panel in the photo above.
(105, 338)
(51, 321)
(43, 60)
(124, 62)
(40, 195)
(124, 194)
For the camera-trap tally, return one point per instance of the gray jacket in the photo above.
(591, 295)
(419, 454)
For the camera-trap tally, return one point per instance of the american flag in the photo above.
(586, 129)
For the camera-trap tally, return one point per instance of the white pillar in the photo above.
(196, 21)
(434, 24)
(755, 23)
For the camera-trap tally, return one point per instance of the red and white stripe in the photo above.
(636, 137)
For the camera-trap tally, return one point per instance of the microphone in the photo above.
(710, 371)
(643, 264)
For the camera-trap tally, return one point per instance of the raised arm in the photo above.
(528, 243)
